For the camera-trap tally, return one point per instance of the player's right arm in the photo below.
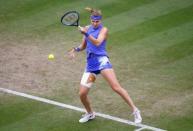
(79, 48)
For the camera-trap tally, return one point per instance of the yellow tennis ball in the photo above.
(51, 56)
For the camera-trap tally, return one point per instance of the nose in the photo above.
(94, 23)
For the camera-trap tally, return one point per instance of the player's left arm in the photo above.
(101, 37)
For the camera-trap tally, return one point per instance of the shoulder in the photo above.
(104, 29)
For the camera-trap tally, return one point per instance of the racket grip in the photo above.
(79, 27)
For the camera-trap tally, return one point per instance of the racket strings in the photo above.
(70, 19)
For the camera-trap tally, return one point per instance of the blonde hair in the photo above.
(94, 12)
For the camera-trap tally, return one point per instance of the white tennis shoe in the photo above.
(137, 116)
(86, 117)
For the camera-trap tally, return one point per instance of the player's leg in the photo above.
(86, 83)
(83, 93)
(110, 76)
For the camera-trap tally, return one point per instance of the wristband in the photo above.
(86, 34)
(77, 49)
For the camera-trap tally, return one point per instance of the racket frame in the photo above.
(76, 23)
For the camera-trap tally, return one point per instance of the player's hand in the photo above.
(71, 53)
(83, 30)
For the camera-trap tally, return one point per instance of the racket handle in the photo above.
(79, 27)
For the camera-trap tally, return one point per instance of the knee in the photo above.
(116, 87)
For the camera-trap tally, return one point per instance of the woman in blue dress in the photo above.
(94, 41)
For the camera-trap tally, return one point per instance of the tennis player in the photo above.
(94, 41)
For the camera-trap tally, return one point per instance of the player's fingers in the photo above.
(71, 55)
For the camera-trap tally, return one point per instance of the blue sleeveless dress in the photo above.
(97, 58)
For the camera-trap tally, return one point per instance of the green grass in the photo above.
(23, 114)
(152, 27)
(150, 46)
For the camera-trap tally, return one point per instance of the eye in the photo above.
(95, 21)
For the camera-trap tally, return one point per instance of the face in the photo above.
(95, 23)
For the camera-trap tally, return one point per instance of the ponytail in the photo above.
(90, 10)
(94, 12)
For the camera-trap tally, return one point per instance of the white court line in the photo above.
(140, 129)
(141, 126)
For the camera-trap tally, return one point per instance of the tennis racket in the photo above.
(71, 18)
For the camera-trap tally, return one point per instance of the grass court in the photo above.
(150, 46)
